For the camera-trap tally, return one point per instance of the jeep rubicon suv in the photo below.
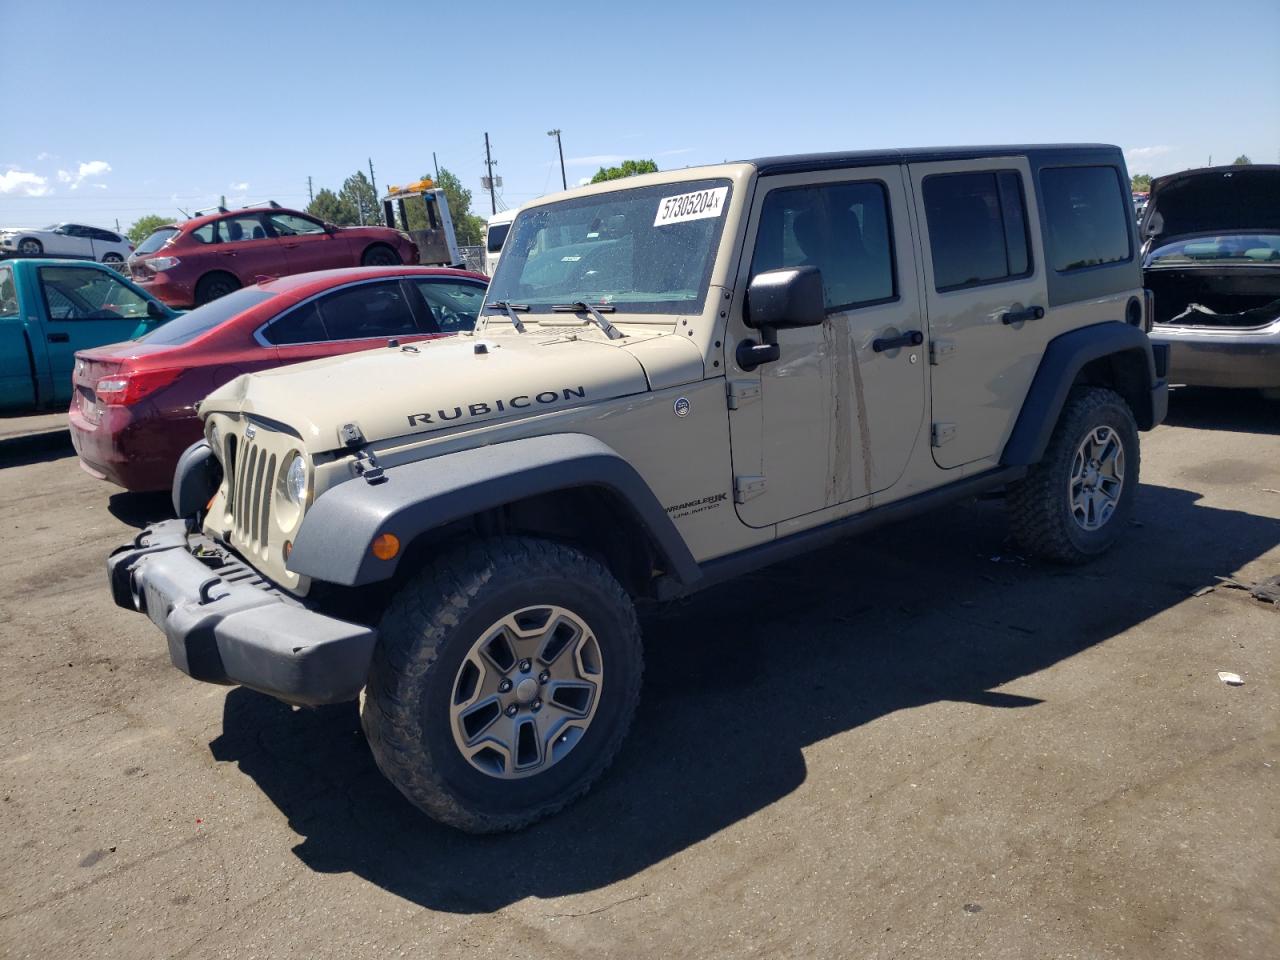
(676, 378)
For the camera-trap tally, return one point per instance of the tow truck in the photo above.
(421, 210)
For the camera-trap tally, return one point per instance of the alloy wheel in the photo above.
(1097, 478)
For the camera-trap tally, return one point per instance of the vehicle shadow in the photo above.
(739, 681)
(1239, 411)
(141, 509)
(34, 448)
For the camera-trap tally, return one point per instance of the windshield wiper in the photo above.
(509, 309)
(581, 306)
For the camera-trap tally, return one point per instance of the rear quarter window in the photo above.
(1087, 214)
(188, 326)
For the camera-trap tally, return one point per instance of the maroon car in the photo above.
(133, 410)
(206, 257)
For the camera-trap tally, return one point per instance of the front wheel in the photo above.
(1072, 505)
(504, 681)
(30, 247)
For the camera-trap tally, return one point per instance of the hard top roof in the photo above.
(801, 162)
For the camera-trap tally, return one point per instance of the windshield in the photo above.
(156, 240)
(188, 326)
(644, 250)
(1234, 247)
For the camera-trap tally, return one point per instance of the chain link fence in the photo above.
(474, 257)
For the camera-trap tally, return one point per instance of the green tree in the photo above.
(143, 227)
(1140, 183)
(358, 192)
(468, 229)
(628, 168)
(1242, 160)
(331, 208)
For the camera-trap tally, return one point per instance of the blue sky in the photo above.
(113, 111)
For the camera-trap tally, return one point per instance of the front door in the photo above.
(986, 294)
(247, 250)
(69, 240)
(836, 417)
(307, 245)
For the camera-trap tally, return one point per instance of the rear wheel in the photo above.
(30, 247)
(504, 681)
(380, 255)
(1073, 504)
(215, 285)
(112, 258)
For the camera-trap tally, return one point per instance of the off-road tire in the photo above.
(423, 638)
(30, 247)
(380, 255)
(1040, 504)
(215, 285)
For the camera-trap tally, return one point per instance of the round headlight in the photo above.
(295, 480)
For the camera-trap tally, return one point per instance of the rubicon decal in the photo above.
(484, 408)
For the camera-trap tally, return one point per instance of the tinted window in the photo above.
(104, 235)
(300, 325)
(188, 326)
(77, 294)
(1087, 216)
(8, 293)
(453, 306)
(368, 310)
(156, 240)
(497, 233)
(288, 224)
(977, 228)
(842, 229)
(241, 228)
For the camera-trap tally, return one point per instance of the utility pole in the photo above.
(488, 162)
(435, 163)
(559, 146)
(117, 224)
(310, 193)
(373, 180)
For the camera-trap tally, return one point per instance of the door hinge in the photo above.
(747, 488)
(740, 391)
(940, 350)
(943, 433)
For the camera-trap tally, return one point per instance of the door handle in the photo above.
(912, 338)
(290, 246)
(1020, 316)
(59, 338)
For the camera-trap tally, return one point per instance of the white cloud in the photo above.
(64, 177)
(24, 183)
(582, 182)
(45, 155)
(94, 168)
(240, 187)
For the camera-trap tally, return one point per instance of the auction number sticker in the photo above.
(691, 206)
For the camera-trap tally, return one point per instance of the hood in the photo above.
(427, 387)
(1213, 200)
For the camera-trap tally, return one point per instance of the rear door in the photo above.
(307, 246)
(17, 368)
(359, 316)
(984, 282)
(248, 249)
(85, 306)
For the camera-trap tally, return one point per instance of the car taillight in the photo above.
(128, 388)
(159, 264)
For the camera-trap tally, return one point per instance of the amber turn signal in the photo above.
(386, 546)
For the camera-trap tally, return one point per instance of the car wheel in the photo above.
(30, 247)
(1073, 504)
(505, 678)
(112, 258)
(215, 285)
(380, 256)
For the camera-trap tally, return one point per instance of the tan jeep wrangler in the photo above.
(676, 378)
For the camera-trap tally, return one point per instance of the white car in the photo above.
(495, 235)
(65, 240)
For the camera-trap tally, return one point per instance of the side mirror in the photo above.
(776, 300)
(330, 228)
(155, 311)
(788, 297)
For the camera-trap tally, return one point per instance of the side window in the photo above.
(842, 229)
(240, 228)
(454, 306)
(75, 230)
(8, 293)
(103, 235)
(368, 310)
(290, 225)
(79, 294)
(977, 228)
(1087, 217)
(300, 325)
(496, 236)
(206, 234)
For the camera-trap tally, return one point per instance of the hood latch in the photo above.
(365, 463)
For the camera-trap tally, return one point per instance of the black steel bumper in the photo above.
(225, 624)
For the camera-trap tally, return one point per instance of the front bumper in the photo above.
(225, 624)
(1208, 357)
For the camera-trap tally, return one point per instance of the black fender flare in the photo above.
(333, 545)
(1061, 363)
(195, 479)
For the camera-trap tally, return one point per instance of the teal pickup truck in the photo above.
(49, 309)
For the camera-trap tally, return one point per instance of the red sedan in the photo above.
(133, 411)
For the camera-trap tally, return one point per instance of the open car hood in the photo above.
(1212, 200)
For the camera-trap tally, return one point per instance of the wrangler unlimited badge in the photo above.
(484, 408)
